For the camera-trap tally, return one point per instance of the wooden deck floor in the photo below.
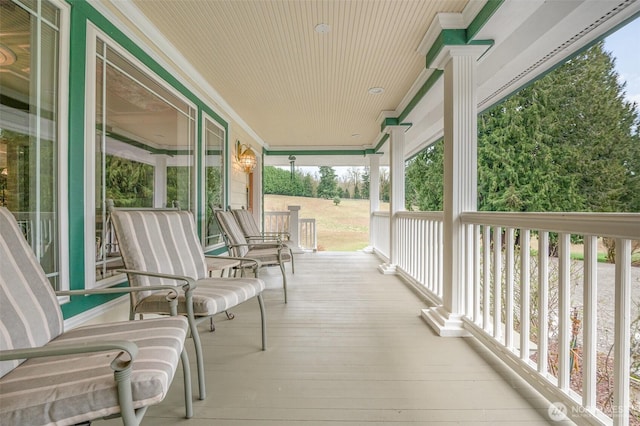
(348, 349)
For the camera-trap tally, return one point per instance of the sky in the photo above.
(622, 44)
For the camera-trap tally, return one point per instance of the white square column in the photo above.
(396, 193)
(374, 196)
(460, 181)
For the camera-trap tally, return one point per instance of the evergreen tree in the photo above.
(356, 192)
(328, 186)
(365, 183)
(568, 142)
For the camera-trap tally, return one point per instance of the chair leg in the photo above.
(293, 266)
(264, 322)
(188, 397)
(199, 358)
(284, 280)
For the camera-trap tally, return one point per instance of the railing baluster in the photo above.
(564, 309)
(476, 273)
(470, 269)
(525, 293)
(543, 302)
(590, 317)
(509, 294)
(622, 337)
(486, 279)
(497, 283)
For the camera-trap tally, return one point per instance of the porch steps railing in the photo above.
(550, 327)
(284, 221)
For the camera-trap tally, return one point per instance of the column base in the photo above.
(368, 249)
(387, 269)
(445, 323)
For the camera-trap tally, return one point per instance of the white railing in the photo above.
(420, 249)
(283, 221)
(308, 235)
(567, 326)
(380, 233)
(40, 231)
(276, 221)
(567, 334)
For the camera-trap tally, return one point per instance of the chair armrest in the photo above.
(190, 283)
(69, 349)
(264, 238)
(279, 246)
(283, 233)
(172, 295)
(242, 260)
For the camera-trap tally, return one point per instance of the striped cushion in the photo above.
(212, 296)
(29, 312)
(233, 231)
(159, 241)
(75, 388)
(247, 222)
(269, 256)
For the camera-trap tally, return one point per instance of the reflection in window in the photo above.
(29, 119)
(214, 143)
(144, 139)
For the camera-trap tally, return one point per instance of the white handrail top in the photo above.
(614, 225)
(431, 215)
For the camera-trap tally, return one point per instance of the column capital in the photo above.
(475, 50)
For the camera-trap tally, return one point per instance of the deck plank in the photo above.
(351, 349)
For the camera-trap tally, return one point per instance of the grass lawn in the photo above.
(344, 227)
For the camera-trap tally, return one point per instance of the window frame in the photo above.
(93, 32)
(206, 119)
(62, 129)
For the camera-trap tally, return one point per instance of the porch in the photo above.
(349, 348)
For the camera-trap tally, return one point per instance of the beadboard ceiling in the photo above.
(296, 87)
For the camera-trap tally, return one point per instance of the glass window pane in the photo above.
(214, 145)
(143, 146)
(50, 13)
(29, 130)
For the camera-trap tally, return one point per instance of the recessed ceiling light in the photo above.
(376, 90)
(323, 28)
(355, 135)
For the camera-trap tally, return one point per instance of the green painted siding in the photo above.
(83, 13)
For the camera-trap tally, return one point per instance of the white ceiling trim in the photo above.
(204, 91)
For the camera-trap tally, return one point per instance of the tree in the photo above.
(424, 179)
(279, 181)
(328, 187)
(356, 192)
(550, 147)
(385, 184)
(365, 183)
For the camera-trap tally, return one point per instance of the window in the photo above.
(142, 153)
(30, 125)
(214, 172)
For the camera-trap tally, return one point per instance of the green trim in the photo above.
(201, 195)
(483, 17)
(82, 13)
(217, 251)
(319, 152)
(389, 121)
(382, 142)
(77, 71)
(435, 75)
(447, 37)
